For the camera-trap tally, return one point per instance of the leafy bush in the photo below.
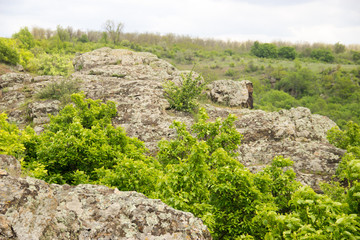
(54, 64)
(264, 50)
(230, 72)
(79, 141)
(61, 90)
(297, 83)
(25, 37)
(7, 53)
(322, 55)
(356, 56)
(287, 52)
(275, 100)
(183, 97)
(10, 138)
(339, 48)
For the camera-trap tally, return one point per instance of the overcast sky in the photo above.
(327, 21)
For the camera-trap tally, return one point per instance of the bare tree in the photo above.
(49, 33)
(71, 32)
(38, 33)
(114, 30)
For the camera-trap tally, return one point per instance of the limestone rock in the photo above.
(296, 134)
(39, 110)
(133, 80)
(32, 209)
(232, 93)
(10, 165)
(10, 79)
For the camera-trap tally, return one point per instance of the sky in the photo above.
(296, 21)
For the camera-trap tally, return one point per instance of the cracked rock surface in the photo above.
(32, 209)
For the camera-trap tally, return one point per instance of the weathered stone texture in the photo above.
(32, 209)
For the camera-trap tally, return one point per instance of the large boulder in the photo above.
(232, 93)
(32, 209)
(296, 134)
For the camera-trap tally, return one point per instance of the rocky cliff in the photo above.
(134, 81)
(32, 209)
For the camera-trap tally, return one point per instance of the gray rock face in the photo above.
(32, 209)
(232, 93)
(296, 134)
(134, 81)
(10, 165)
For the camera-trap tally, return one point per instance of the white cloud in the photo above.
(298, 20)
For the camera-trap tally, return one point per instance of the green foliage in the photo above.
(339, 48)
(80, 140)
(322, 55)
(297, 83)
(234, 197)
(54, 64)
(230, 72)
(83, 38)
(275, 100)
(313, 216)
(278, 179)
(287, 52)
(25, 37)
(264, 50)
(349, 139)
(183, 97)
(10, 137)
(61, 90)
(8, 54)
(356, 56)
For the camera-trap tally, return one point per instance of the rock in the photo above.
(32, 209)
(11, 79)
(10, 165)
(39, 110)
(296, 134)
(133, 80)
(19, 68)
(232, 93)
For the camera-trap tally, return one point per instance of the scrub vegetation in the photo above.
(197, 170)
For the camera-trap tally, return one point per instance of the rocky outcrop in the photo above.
(296, 134)
(133, 80)
(9, 165)
(232, 93)
(32, 209)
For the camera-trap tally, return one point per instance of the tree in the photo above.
(7, 53)
(339, 48)
(114, 30)
(62, 33)
(264, 50)
(322, 55)
(287, 52)
(25, 37)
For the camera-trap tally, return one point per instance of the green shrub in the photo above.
(61, 90)
(10, 138)
(79, 141)
(355, 56)
(230, 72)
(339, 48)
(287, 52)
(183, 97)
(25, 37)
(54, 64)
(322, 55)
(264, 50)
(275, 100)
(7, 53)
